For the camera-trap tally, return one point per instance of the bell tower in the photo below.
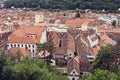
(39, 18)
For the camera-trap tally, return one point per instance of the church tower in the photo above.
(39, 18)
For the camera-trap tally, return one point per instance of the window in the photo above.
(26, 47)
(91, 58)
(73, 72)
(14, 45)
(18, 45)
(91, 62)
(73, 78)
(28, 36)
(60, 43)
(75, 53)
(22, 45)
(33, 55)
(33, 46)
(81, 73)
(33, 51)
(29, 46)
(11, 45)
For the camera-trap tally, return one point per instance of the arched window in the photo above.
(73, 78)
(60, 43)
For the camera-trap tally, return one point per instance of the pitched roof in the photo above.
(75, 22)
(106, 39)
(73, 64)
(57, 36)
(22, 35)
(43, 54)
(70, 43)
(110, 30)
(95, 50)
(60, 51)
(22, 51)
(114, 34)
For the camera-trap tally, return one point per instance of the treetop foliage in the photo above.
(27, 69)
(101, 75)
(108, 58)
(65, 4)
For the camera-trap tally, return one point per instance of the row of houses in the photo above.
(76, 40)
(73, 46)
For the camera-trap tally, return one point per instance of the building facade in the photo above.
(27, 38)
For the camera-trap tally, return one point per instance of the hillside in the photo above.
(66, 4)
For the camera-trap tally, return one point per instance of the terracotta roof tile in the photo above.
(70, 43)
(20, 35)
(106, 39)
(22, 51)
(75, 22)
(43, 54)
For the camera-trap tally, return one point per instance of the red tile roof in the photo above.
(22, 51)
(70, 43)
(109, 30)
(75, 22)
(43, 54)
(20, 35)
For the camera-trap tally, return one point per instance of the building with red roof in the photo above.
(26, 38)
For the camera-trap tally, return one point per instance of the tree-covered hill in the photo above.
(65, 4)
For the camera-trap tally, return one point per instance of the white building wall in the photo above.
(73, 77)
(0, 30)
(39, 18)
(90, 58)
(43, 37)
(31, 47)
(84, 27)
(85, 73)
(92, 43)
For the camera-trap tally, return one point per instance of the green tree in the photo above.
(8, 73)
(101, 75)
(108, 58)
(101, 60)
(2, 63)
(49, 46)
(60, 63)
(30, 70)
(118, 74)
(113, 23)
(109, 5)
(27, 69)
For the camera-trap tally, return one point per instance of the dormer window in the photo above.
(31, 35)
